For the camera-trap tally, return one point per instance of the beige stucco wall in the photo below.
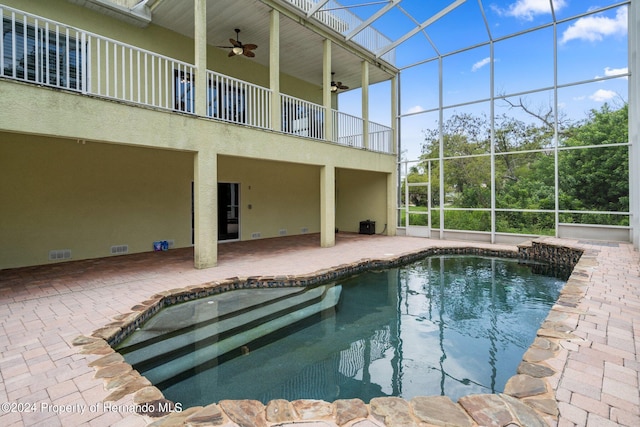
(287, 175)
(274, 196)
(84, 173)
(75, 116)
(360, 196)
(63, 194)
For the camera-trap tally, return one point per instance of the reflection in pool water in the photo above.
(450, 325)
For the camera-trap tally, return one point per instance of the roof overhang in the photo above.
(138, 15)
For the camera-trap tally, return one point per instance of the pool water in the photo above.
(448, 325)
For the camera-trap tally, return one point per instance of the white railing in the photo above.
(50, 53)
(41, 51)
(380, 138)
(236, 101)
(45, 52)
(302, 118)
(131, 74)
(348, 130)
(334, 15)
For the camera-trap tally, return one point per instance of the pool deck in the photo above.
(43, 309)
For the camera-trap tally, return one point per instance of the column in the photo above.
(200, 55)
(365, 104)
(205, 205)
(274, 70)
(394, 116)
(326, 90)
(634, 122)
(392, 201)
(327, 206)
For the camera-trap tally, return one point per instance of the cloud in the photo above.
(595, 28)
(613, 72)
(602, 95)
(415, 109)
(528, 9)
(608, 71)
(480, 64)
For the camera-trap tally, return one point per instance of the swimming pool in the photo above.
(446, 325)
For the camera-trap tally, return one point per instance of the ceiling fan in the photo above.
(337, 86)
(237, 48)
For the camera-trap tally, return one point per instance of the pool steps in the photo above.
(166, 349)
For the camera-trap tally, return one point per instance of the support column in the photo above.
(326, 91)
(205, 205)
(365, 104)
(274, 70)
(200, 55)
(327, 206)
(634, 122)
(394, 116)
(392, 201)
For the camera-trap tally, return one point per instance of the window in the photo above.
(227, 102)
(41, 56)
(184, 94)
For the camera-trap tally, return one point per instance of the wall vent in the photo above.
(255, 235)
(304, 230)
(119, 249)
(58, 254)
(282, 232)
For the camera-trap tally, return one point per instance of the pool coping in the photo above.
(528, 398)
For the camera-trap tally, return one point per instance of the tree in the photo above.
(468, 136)
(597, 178)
(590, 178)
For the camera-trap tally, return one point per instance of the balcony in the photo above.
(44, 52)
(334, 15)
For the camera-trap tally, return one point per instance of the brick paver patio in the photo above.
(42, 309)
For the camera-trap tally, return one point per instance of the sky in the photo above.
(590, 46)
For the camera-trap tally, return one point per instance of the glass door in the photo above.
(228, 211)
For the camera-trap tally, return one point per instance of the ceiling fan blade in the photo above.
(250, 46)
(235, 43)
(248, 53)
(231, 54)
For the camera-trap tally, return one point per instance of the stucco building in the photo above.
(133, 123)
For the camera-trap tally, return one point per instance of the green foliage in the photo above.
(593, 179)
(467, 220)
(599, 176)
(539, 223)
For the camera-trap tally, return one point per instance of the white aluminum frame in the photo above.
(634, 127)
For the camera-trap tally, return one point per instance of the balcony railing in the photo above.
(348, 130)
(336, 16)
(236, 101)
(302, 118)
(45, 52)
(380, 138)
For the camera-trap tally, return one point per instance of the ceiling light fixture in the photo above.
(337, 86)
(237, 48)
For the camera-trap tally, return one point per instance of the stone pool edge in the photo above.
(528, 398)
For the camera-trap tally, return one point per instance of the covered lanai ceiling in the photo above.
(394, 33)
